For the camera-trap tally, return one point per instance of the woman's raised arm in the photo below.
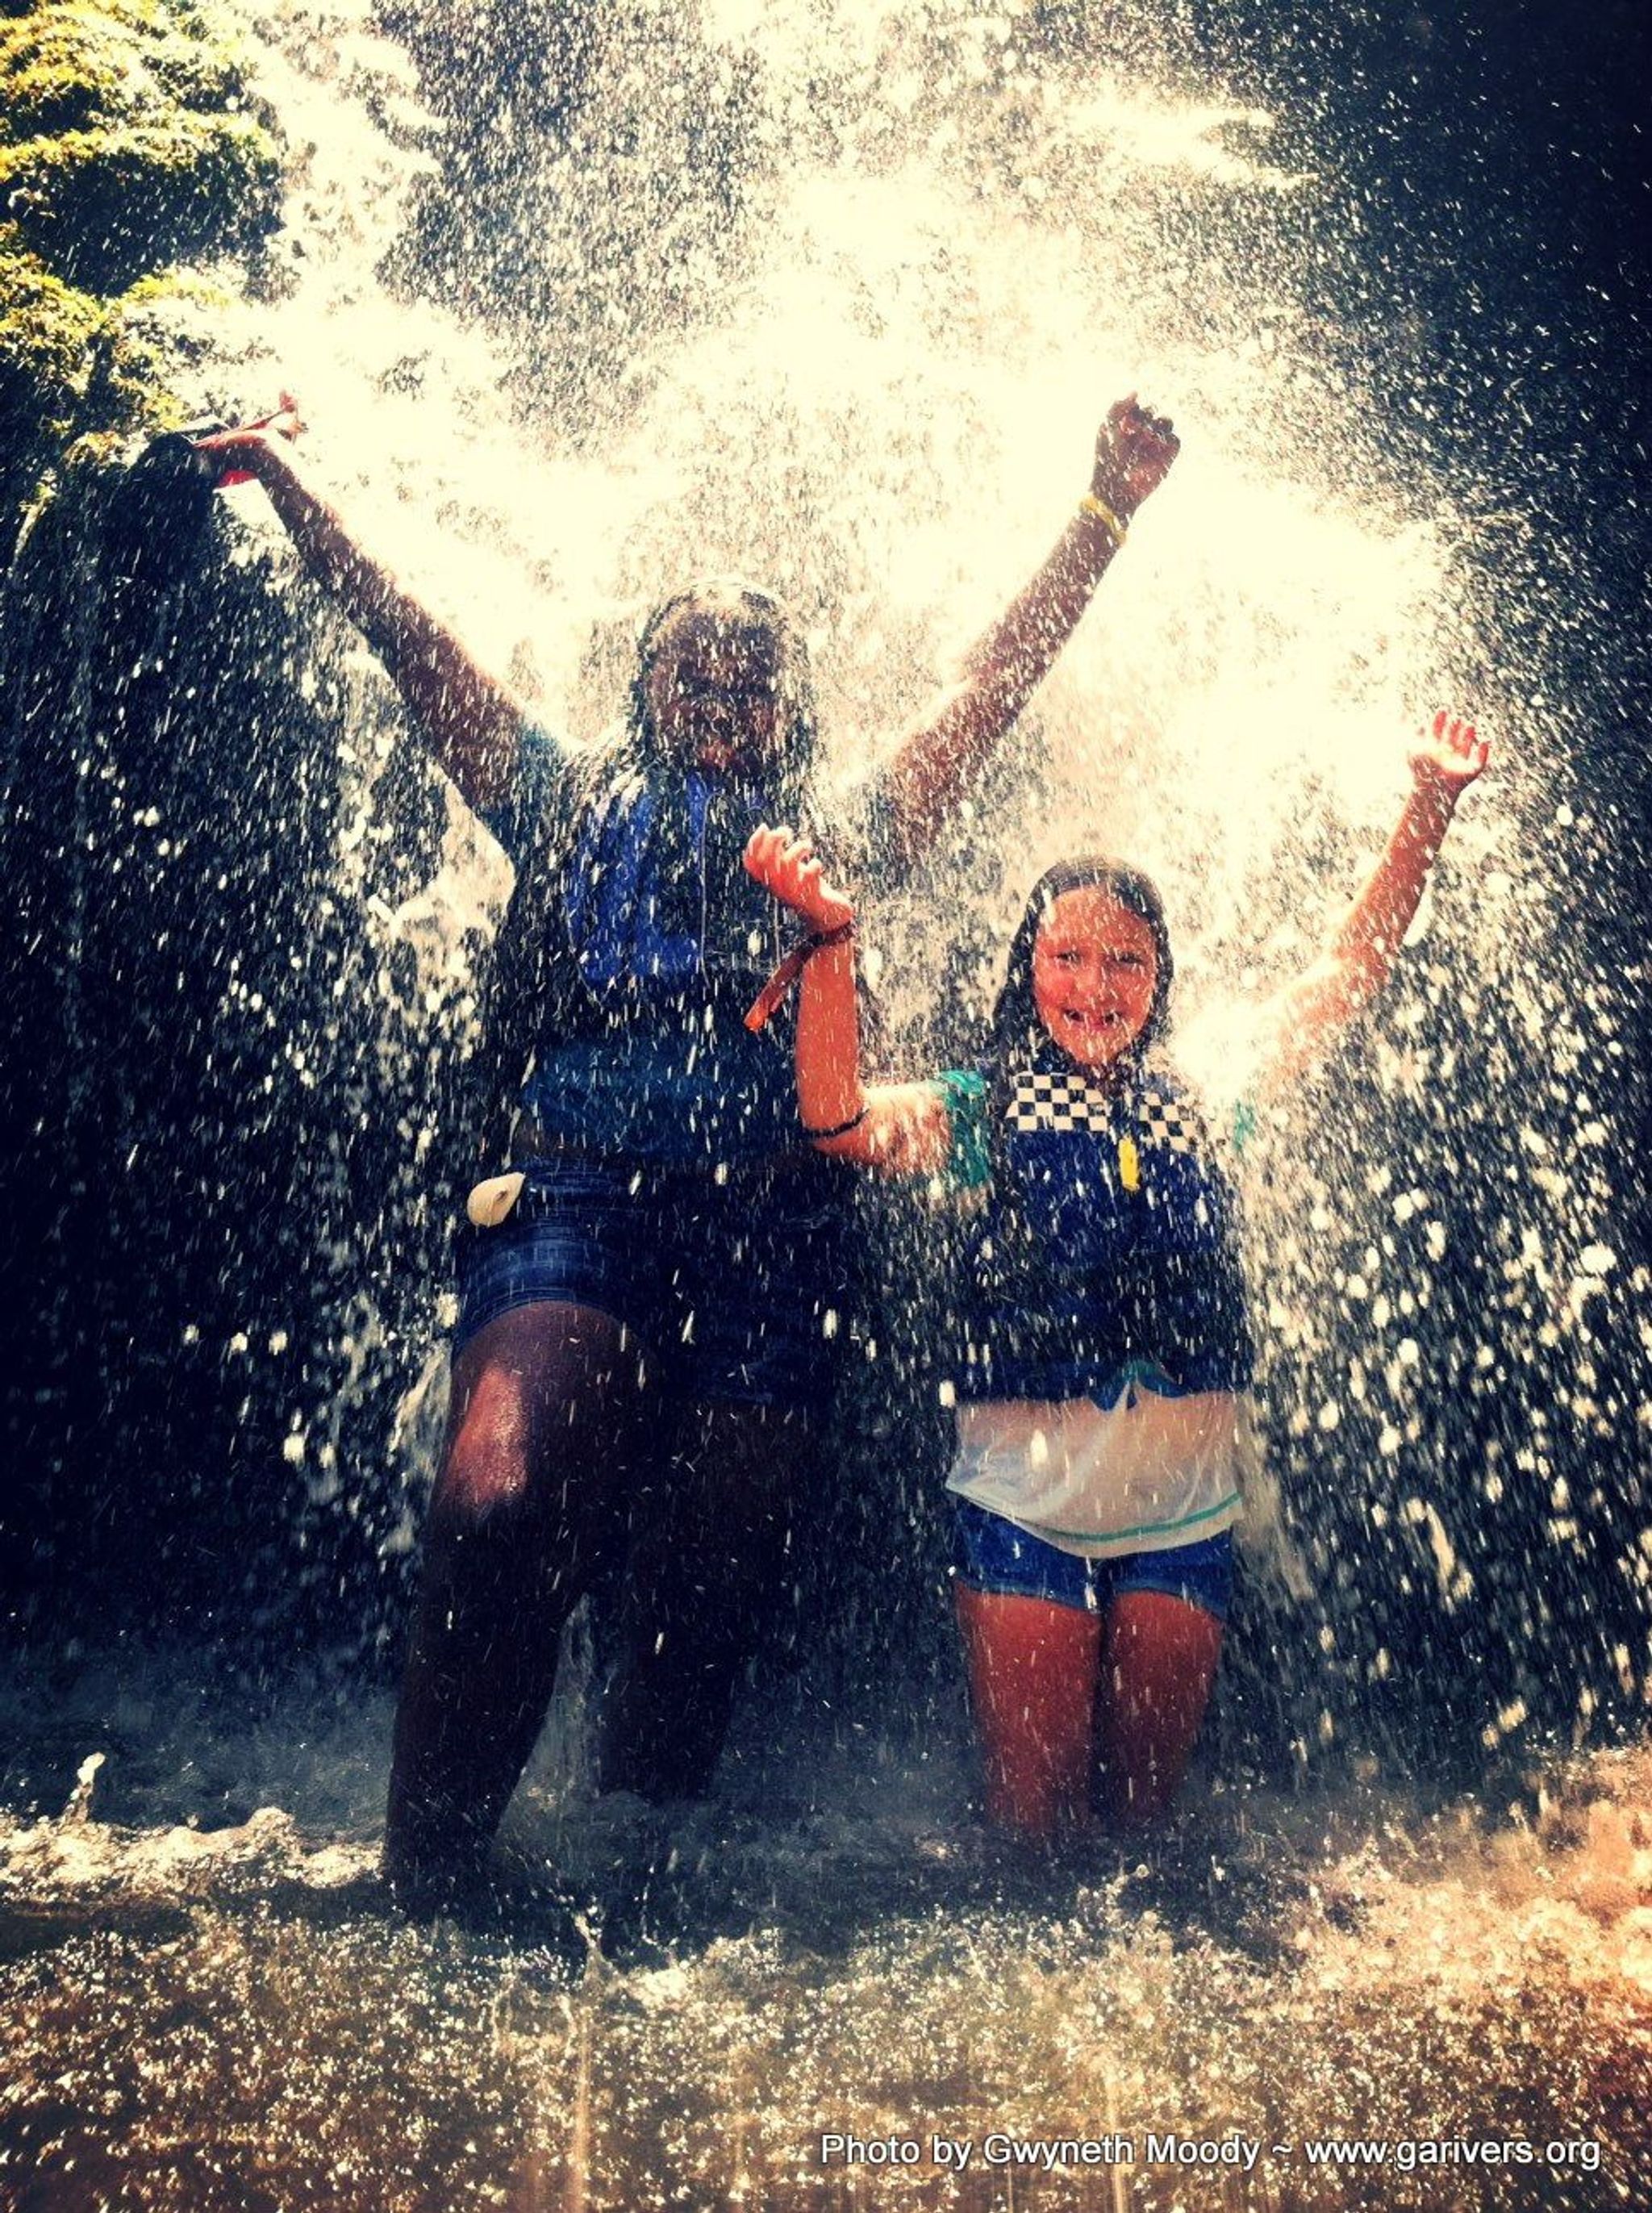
(936, 763)
(470, 720)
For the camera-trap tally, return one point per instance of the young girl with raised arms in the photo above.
(1101, 1354)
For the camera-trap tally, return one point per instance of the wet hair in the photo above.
(1016, 1015)
(739, 606)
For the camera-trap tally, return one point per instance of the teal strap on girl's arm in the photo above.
(969, 1160)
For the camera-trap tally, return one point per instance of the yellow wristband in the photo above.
(1091, 505)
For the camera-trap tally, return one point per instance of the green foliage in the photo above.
(129, 143)
(47, 334)
(46, 331)
(78, 68)
(107, 205)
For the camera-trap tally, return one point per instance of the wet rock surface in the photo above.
(211, 1214)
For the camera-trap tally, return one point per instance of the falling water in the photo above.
(835, 296)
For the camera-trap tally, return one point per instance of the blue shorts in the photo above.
(733, 1290)
(991, 1554)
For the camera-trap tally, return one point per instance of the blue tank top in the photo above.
(649, 942)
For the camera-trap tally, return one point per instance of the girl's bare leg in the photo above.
(542, 1437)
(1032, 1667)
(705, 1580)
(1157, 1668)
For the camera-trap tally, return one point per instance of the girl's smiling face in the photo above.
(1095, 964)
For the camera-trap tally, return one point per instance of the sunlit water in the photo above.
(224, 2015)
(876, 390)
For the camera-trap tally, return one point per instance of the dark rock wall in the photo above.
(209, 1090)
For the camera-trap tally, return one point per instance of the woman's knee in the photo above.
(534, 1387)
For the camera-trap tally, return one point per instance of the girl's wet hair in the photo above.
(1015, 1016)
(738, 606)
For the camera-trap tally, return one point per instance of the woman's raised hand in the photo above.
(1133, 453)
(237, 454)
(1448, 757)
(785, 865)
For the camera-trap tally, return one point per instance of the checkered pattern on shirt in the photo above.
(1045, 1099)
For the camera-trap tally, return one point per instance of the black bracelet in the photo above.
(841, 1130)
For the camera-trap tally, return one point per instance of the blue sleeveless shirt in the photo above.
(645, 942)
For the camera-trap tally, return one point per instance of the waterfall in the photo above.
(581, 301)
(579, 305)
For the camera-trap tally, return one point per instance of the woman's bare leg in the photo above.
(1032, 1667)
(541, 1441)
(704, 1579)
(1159, 1664)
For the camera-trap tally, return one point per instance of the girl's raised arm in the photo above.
(1307, 1019)
(901, 1129)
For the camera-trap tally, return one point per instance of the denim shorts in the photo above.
(991, 1554)
(734, 1290)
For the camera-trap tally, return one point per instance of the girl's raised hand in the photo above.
(785, 865)
(1449, 757)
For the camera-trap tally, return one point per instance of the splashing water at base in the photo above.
(226, 2016)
